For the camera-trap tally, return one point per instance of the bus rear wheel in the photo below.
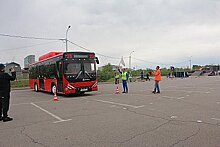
(36, 87)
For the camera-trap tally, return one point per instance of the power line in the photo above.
(29, 46)
(78, 45)
(161, 63)
(147, 61)
(29, 37)
(61, 39)
(90, 50)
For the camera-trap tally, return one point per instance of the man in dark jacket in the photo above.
(5, 89)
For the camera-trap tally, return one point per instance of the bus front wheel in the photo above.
(36, 87)
(53, 88)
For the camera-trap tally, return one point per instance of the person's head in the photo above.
(2, 68)
(158, 67)
(123, 69)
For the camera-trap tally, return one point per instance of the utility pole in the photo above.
(190, 62)
(66, 36)
(130, 60)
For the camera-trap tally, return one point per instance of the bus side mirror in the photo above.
(97, 60)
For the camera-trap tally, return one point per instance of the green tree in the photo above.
(106, 73)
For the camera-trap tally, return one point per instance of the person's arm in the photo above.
(119, 71)
(12, 77)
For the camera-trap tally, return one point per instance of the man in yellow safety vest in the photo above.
(124, 79)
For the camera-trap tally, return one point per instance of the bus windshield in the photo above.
(72, 68)
(80, 71)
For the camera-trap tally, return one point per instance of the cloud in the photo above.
(165, 31)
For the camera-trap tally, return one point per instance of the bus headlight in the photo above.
(70, 87)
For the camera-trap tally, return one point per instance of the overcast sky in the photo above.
(160, 32)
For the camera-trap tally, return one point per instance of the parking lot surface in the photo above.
(185, 114)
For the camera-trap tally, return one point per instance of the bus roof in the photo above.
(51, 55)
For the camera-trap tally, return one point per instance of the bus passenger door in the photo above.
(59, 76)
(41, 80)
(41, 77)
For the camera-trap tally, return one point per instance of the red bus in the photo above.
(64, 73)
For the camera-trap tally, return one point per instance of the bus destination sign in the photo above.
(79, 56)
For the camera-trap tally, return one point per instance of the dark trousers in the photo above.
(156, 86)
(116, 81)
(4, 103)
(125, 86)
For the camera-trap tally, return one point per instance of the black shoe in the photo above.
(5, 119)
(123, 92)
(153, 92)
(158, 92)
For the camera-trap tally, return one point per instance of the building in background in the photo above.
(28, 60)
(16, 66)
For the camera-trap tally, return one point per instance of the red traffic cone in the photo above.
(55, 97)
(117, 90)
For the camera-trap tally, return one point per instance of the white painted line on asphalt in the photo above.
(169, 97)
(62, 121)
(216, 119)
(180, 98)
(218, 102)
(20, 104)
(120, 104)
(190, 91)
(199, 121)
(173, 117)
(51, 114)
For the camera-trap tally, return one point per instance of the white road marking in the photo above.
(199, 121)
(190, 91)
(20, 104)
(46, 101)
(51, 114)
(169, 97)
(218, 102)
(62, 121)
(120, 104)
(180, 98)
(216, 119)
(173, 117)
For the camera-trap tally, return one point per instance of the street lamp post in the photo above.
(130, 60)
(190, 62)
(66, 36)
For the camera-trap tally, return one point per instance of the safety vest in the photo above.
(157, 75)
(124, 75)
(117, 76)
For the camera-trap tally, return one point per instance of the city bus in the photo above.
(64, 73)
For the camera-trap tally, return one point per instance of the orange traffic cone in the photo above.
(55, 97)
(117, 90)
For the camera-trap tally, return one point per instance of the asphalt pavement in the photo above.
(185, 114)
